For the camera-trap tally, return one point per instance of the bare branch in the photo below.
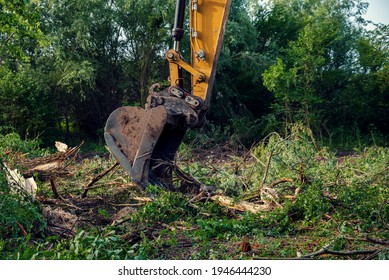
(326, 251)
(279, 181)
(97, 178)
(266, 170)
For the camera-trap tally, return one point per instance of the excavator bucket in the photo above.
(131, 134)
(144, 143)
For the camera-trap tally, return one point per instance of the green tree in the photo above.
(103, 54)
(25, 102)
(368, 98)
(19, 24)
(146, 31)
(315, 68)
(239, 97)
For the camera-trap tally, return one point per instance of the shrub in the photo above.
(18, 213)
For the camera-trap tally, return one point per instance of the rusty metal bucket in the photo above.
(131, 134)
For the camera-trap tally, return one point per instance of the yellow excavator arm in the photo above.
(145, 141)
(206, 30)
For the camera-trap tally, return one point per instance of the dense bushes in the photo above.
(19, 213)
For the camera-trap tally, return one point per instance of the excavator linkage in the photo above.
(145, 141)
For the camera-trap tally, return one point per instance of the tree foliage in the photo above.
(317, 77)
(67, 64)
(19, 24)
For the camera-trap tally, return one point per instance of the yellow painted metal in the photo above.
(174, 70)
(174, 58)
(207, 26)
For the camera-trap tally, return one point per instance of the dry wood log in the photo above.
(51, 166)
(242, 205)
(142, 199)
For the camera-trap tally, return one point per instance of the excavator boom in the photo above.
(145, 141)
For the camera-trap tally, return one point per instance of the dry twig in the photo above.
(97, 178)
(54, 189)
(266, 170)
(326, 251)
(24, 232)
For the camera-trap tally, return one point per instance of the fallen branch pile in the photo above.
(21, 171)
(52, 166)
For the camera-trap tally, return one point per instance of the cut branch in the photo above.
(24, 232)
(381, 242)
(54, 189)
(97, 178)
(326, 251)
(376, 253)
(266, 169)
(279, 181)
